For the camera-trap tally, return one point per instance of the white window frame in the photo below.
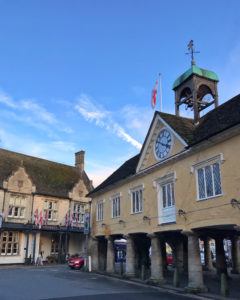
(78, 212)
(116, 205)
(100, 210)
(17, 203)
(51, 212)
(5, 242)
(135, 191)
(202, 165)
(159, 183)
(172, 194)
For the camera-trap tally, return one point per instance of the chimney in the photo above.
(79, 160)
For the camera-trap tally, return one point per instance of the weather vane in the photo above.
(191, 51)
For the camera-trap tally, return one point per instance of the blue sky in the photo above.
(79, 74)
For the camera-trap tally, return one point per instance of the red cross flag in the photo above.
(154, 95)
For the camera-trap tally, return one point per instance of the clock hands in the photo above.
(165, 145)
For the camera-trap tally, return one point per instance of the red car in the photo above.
(76, 262)
(169, 259)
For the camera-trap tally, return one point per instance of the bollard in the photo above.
(176, 277)
(142, 272)
(121, 267)
(224, 285)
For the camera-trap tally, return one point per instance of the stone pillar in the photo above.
(185, 255)
(236, 255)
(195, 274)
(130, 257)
(221, 264)
(164, 255)
(93, 250)
(207, 254)
(179, 255)
(27, 246)
(110, 255)
(156, 259)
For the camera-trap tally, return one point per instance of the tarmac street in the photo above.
(61, 283)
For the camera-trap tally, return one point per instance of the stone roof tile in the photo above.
(50, 178)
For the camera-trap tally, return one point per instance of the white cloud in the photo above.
(56, 150)
(7, 100)
(30, 112)
(137, 119)
(103, 118)
(99, 175)
(38, 111)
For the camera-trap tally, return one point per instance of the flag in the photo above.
(154, 95)
(66, 220)
(45, 218)
(36, 217)
(40, 221)
(10, 210)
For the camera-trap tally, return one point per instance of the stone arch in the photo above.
(204, 90)
(185, 96)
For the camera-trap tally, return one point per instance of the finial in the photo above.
(191, 51)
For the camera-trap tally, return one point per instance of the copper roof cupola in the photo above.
(196, 88)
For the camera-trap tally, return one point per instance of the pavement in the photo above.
(61, 283)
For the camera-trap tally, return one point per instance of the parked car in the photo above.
(169, 259)
(76, 262)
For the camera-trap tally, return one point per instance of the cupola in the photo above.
(196, 88)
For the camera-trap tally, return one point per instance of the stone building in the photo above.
(42, 205)
(181, 188)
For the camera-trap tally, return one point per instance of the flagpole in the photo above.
(160, 90)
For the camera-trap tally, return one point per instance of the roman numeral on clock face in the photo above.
(163, 144)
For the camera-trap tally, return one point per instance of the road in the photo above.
(61, 283)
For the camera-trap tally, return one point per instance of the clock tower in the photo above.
(196, 88)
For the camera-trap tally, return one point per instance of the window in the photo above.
(209, 181)
(9, 243)
(78, 212)
(166, 199)
(137, 200)
(100, 211)
(50, 210)
(168, 195)
(116, 206)
(17, 206)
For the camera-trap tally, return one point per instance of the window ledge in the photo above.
(208, 198)
(167, 223)
(136, 213)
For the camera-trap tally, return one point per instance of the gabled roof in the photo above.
(183, 126)
(50, 178)
(217, 120)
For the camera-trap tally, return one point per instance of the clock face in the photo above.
(163, 144)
